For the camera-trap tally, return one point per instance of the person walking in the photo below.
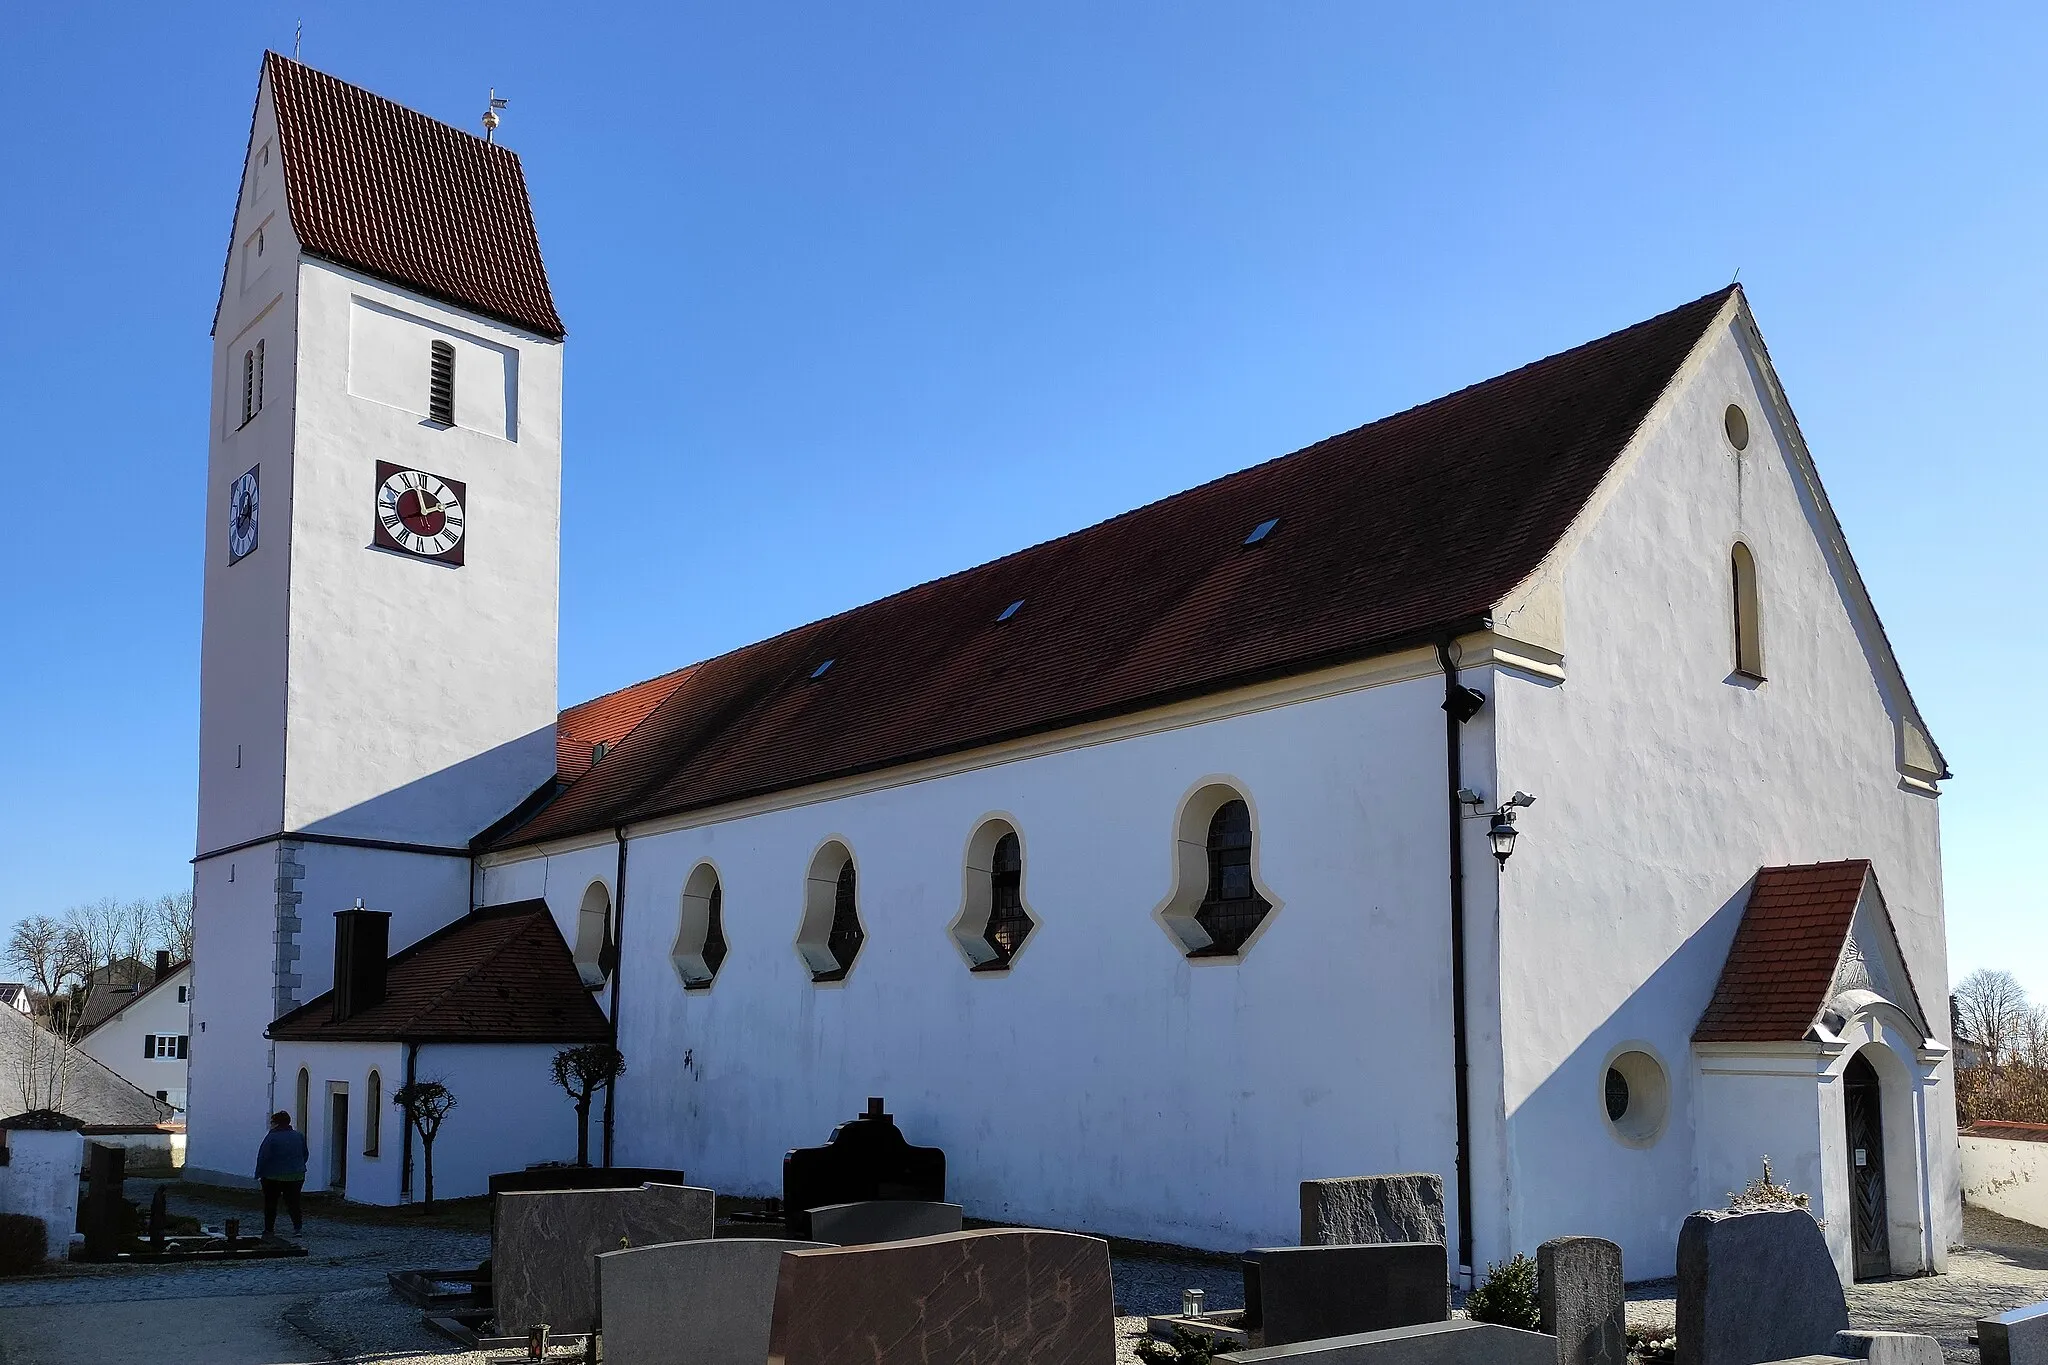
(281, 1166)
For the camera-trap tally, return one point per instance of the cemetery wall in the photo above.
(2008, 1176)
(1105, 1081)
(1663, 783)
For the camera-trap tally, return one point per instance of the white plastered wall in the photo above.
(1106, 1082)
(117, 1043)
(1664, 782)
(2007, 1176)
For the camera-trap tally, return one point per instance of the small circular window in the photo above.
(1736, 422)
(1637, 1097)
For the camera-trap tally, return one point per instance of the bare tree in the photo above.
(171, 923)
(45, 1067)
(37, 950)
(1992, 1008)
(582, 1072)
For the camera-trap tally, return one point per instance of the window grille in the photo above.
(714, 930)
(844, 941)
(441, 384)
(1007, 921)
(1232, 907)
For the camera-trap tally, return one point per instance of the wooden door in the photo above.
(1864, 1119)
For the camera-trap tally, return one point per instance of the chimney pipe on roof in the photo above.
(163, 966)
(362, 941)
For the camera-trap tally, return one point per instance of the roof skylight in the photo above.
(1262, 530)
(1011, 610)
(819, 671)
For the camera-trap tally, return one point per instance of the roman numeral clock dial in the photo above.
(419, 514)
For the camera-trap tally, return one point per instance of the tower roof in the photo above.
(374, 185)
(1390, 535)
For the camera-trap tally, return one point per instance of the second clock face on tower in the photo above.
(419, 514)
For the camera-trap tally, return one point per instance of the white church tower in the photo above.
(382, 517)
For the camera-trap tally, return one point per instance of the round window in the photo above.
(1637, 1097)
(1736, 421)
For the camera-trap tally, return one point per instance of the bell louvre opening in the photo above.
(441, 384)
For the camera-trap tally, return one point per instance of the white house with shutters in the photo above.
(1520, 787)
(147, 1038)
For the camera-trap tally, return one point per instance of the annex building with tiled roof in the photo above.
(1520, 787)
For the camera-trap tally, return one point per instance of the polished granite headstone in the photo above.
(866, 1158)
(1436, 1343)
(1580, 1300)
(1002, 1296)
(1302, 1293)
(882, 1220)
(1372, 1208)
(690, 1303)
(2016, 1338)
(1756, 1286)
(544, 1241)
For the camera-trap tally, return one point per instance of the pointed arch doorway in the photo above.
(1863, 1122)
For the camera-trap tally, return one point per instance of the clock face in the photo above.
(419, 514)
(242, 502)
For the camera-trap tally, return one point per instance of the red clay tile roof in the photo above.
(374, 185)
(501, 974)
(1785, 953)
(2009, 1129)
(1391, 534)
(606, 720)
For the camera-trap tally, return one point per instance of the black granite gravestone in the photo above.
(1307, 1293)
(159, 1219)
(865, 1158)
(106, 1168)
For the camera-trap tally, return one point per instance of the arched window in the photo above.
(301, 1100)
(441, 384)
(252, 382)
(831, 934)
(1218, 903)
(994, 918)
(1232, 906)
(1007, 922)
(700, 937)
(373, 1113)
(594, 935)
(1749, 643)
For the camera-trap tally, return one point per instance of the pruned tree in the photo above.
(425, 1104)
(582, 1072)
(1992, 1008)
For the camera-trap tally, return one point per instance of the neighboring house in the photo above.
(111, 1108)
(146, 1036)
(1149, 871)
(15, 996)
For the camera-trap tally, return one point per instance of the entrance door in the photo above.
(337, 1140)
(1864, 1117)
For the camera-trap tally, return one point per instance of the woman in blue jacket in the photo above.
(281, 1166)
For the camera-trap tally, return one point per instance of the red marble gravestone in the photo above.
(996, 1297)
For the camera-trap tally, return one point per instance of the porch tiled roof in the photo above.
(501, 974)
(1785, 953)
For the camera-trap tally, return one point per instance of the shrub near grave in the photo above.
(1186, 1348)
(24, 1244)
(1508, 1297)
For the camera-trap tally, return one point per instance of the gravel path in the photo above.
(335, 1306)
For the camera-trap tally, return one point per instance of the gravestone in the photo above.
(690, 1303)
(1435, 1343)
(1581, 1300)
(107, 1168)
(159, 1220)
(882, 1220)
(1889, 1348)
(2016, 1338)
(866, 1158)
(579, 1178)
(1372, 1208)
(1001, 1296)
(1302, 1293)
(544, 1241)
(1756, 1286)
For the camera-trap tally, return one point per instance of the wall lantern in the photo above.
(1500, 829)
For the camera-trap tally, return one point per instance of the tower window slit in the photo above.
(441, 384)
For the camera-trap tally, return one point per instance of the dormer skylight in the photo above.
(1011, 610)
(1262, 530)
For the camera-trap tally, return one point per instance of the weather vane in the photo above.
(491, 114)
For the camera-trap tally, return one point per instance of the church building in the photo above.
(1519, 788)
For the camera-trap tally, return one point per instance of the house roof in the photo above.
(94, 1093)
(1782, 962)
(606, 720)
(109, 1004)
(501, 974)
(377, 186)
(1395, 533)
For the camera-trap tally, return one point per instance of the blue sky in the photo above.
(862, 294)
